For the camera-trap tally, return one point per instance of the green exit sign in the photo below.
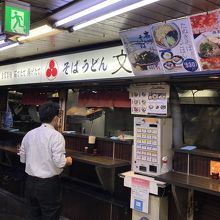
(16, 18)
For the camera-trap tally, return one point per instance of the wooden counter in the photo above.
(96, 160)
(104, 166)
(11, 149)
(200, 152)
(198, 183)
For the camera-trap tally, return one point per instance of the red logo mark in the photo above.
(52, 71)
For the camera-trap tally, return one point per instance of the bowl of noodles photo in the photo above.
(146, 58)
(208, 45)
(167, 36)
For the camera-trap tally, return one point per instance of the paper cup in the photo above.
(91, 139)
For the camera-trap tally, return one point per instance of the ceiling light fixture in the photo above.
(36, 33)
(9, 46)
(114, 13)
(86, 12)
(2, 42)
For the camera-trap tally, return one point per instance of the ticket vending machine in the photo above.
(152, 154)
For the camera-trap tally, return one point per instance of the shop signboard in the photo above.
(106, 63)
(174, 43)
(21, 73)
(206, 32)
(97, 64)
(141, 50)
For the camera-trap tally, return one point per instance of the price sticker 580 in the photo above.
(190, 65)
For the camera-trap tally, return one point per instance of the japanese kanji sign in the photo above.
(91, 65)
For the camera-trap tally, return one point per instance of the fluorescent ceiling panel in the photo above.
(114, 13)
(86, 12)
(37, 33)
(9, 46)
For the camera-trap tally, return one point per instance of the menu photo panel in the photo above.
(174, 42)
(206, 33)
(141, 51)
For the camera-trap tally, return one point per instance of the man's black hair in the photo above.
(48, 111)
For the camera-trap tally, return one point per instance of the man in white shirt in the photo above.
(43, 152)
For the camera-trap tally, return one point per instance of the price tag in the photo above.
(190, 65)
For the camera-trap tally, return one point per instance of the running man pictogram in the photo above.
(19, 20)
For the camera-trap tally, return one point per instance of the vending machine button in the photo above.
(154, 159)
(144, 147)
(139, 157)
(154, 137)
(149, 142)
(138, 140)
(143, 141)
(154, 131)
(139, 146)
(154, 149)
(154, 142)
(144, 158)
(139, 151)
(144, 153)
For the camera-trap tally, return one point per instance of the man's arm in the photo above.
(59, 152)
(21, 152)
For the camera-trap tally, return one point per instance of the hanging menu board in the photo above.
(174, 43)
(141, 51)
(206, 32)
(150, 99)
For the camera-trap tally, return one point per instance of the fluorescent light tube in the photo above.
(37, 32)
(2, 42)
(114, 13)
(9, 46)
(86, 12)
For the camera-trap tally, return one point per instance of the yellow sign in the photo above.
(214, 167)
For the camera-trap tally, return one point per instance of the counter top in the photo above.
(11, 149)
(198, 183)
(200, 152)
(70, 134)
(97, 160)
(126, 141)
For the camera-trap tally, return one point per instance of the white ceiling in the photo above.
(103, 32)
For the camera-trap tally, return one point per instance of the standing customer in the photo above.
(43, 152)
